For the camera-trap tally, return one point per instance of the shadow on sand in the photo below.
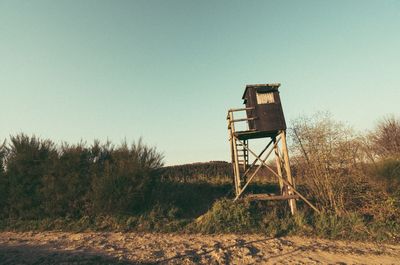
(32, 255)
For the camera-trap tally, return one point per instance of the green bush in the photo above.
(275, 222)
(227, 216)
(29, 162)
(39, 180)
(123, 178)
(66, 190)
(348, 226)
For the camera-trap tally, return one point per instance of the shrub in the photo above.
(123, 178)
(65, 191)
(385, 138)
(387, 172)
(348, 226)
(227, 216)
(29, 161)
(325, 155)
(277, 222)
(38, 180)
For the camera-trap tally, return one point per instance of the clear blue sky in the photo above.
(168, 71)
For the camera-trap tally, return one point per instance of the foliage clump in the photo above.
(227, 216)
(325, 156)
(39, 180)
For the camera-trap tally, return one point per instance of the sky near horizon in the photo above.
(168, 71)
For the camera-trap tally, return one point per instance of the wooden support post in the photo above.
(235, 162)
(234, 166)
(231, 140)
(292, 202)
(278, 165)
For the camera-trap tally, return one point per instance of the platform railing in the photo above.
(232, 120)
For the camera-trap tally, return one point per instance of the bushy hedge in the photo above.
(39, 179)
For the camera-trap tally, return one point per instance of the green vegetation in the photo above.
(218, 172)
(226, 216)
(354, 180)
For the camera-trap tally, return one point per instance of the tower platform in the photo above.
(252, 134)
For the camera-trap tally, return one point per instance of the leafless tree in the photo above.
(385, 138)
(325, 154)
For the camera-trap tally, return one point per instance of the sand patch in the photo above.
(154, 248)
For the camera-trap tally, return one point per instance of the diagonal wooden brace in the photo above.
(258, 168)
(279, 177)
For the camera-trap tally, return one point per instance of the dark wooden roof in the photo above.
(273, 86)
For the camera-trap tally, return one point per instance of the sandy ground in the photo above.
(148, 248)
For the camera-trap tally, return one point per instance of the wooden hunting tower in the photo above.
(265, 119)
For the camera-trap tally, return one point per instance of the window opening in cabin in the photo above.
(265, 98)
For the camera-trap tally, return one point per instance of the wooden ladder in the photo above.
(239, 152)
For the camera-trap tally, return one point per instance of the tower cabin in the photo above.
(264, 111)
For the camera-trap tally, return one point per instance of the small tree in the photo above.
(385, 138)
(383, 146)
(325, 155)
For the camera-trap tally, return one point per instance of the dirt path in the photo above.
(146, 248)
